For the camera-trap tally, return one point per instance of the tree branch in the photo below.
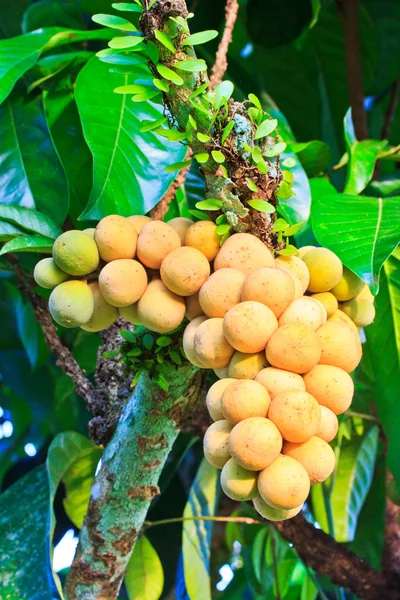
(391, 547)
(391, 110)
(221, 62)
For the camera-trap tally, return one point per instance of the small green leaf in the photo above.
(192, 122)
(293, 229)
(191, 65)
(256, 155)
(169, 74)
(110, 354)
(202, 157)
(148, 341)
(218, 156)
(224, 171)
(275, 150)
(144, 96)
(288, 251)
(127, 6)
(153, 52)
(181, 22)
(172, 134)
(261, 205)
(288, 176)
(114, 22)
(178, 166)
(28, 243)
(134, 88)
(165, 40)
(266, 128)
(289, 162)
(280, 225)
(262, 167)
(161, 85)
(199, 215)
(202, 137)
(221, 219)
(164, 341)
(198, 106)
(251, 185)
(284, 191)
(227, 131)
(127, 41)
(209, 204)
(223, 229)
(128, 336)
(253, 98)
(255, 114)
(200, 38)
(199, 91)
(175, 357)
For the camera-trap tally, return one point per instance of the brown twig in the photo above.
(160, 210)
(221, 61)
(391, 547)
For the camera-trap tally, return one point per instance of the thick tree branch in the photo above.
(221, 61)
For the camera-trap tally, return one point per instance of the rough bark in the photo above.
(221, 61)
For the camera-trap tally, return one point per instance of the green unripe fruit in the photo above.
(71, 303)
(349, 286)
(103, 315)
(361, 312)
(48, 275)
(274, 514)
(130, 313)
(90, 231)
(238, 483)
(75, 252)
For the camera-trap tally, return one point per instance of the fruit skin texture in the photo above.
(328, 300)
(349, 286)
(246, 366)
(193, 308)
(237, 483)
(184, 271)
(188, 342)
(328, 426)
(139, 221)
(273, 287)
(304, 311)
(103, 315)
(325, 269)
(293, 348)
(181, 225)
(122, 282)
(48, 275)
(284, 484)
(331, 387)
(203, 236)
(298, 288)
(244, 398)
(71, 303)
(340, 345)
(221, 292)
(296, 266)
(255, 443)
(316, 456)
(296, 414)
(244, 252)
(221, 373)
(130, 313)
(116, 237)
(304, 249)
(249, 325)
(90, 231)
(210, 345)
(159, 309)
(215, 444)
(274, 514)
(341, 317)
(276, 381)
(75, 253)
(156, 240)
(361, 312)
(214, 397)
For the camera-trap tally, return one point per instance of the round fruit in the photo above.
(71, 303)
(181, 225)
(249, 325)
(316, 456)
(156, 240)
(341, 317)
(221, 292)
(188, 342)
(214, 397)
(349, 286)
(296, 414)
(90, 231)
(272, 287)
(48, 275)
(238, 483)
(159, 309)
(304, 249)
(328, 300)
(215, 443)
(193, 308)
(366, 294)
(116, 237)
(130, 313)
(298, 288)
(325, 269)
(284, 484)
(274, 514)
(304, 311)
(103, 315)
(331, 387)
(296, 266)
(75, 253)
(293, 348)
(122, 282)
(361, 312)
(255, 443)
(276, 381)
(139, 221)
(221, 373)
(246, 366)
(210, 345)
(203, 236)
(328, 426)
(340, 345)
(244, 252)
(244, 398)
(184, 270)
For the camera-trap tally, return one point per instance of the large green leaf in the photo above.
(129, 176)
(315, 156)
(31, 220)
(363, 156)
(28, 243)
(363, 231)
(144, 579)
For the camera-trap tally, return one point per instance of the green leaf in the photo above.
(165, 40)
(275, 150)
(362, 159)
(169, 74)
(202, 157)
(161, 85)
(265, 128)
(133, 88)
(200, 38)
(150, 125)
(144, 579)
(288, 176)
(191, 65)
(164, 341)
(28, 243)
(218, 156)
(127, 6)
(172, 134)
(223, 229)
(227, 131)
(251, 185)
(199, 215)
(209, 204)
(315, 156)
(289, 162)
(284, 190)
(289, 250)
(261, 205)
(256, 155)
(202, 137)
(293, 229)
(253, 98)
(178, 166)
(29, 219)
(114, 22)
(127, 41)
(9, 231)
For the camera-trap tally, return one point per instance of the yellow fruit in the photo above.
(75, 253)
(325, 269)
(193, 308)
(71, 303)
(244, 252)
(246, 366)
(328, 426)
(276, 381)
(340, 345)
(103, 315)
(90, 231)
(341, 317)
(181, 225)
(130, 313)
(255, 443)
(273, 287)
(184, 271)
(316, 456)
(221, 292)
(244, 398)
(328, 300)
(298, 288)
(159, 309)
(349, 286)
(249, 325)
(214, 396)
(293, 348)
(48, 275)
(361, 312)
(156, 240)
(211, 346)
(188, 341)
(274, 514)
(215, 443)
(139, 221)
(366, 294)
(296, 266)
(304, 311)
(238, 483)
(116, 237)
(296, 414)
(304, 249)
(221, 373)
(203, 236)
(331, 387)
(284, 484)
(122, 282)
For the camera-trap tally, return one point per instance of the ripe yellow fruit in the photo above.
(210, 345)
(296, 266)
(274, 514)
(184, 271)
(276, 381)
(103, 315)
(203, 236)
(273, 287)
(296, 414)
(331, 387)
(328, 426)
(249, 325)
(159, 309)
(193, 308)
(366, 294)
(122, 282)
(341, 317)
(340, 345)
(48, 275)
(181, 225)
(214, 397)
(188, 341)
(156, 240)
(304, 249)
(130, 313)
(116, 237)
(221, 373)
(304, 311)
(255, 443)
(221, 292)
(316, 456)
(361, 312)
(238, 483)
(284, 484)
(71, 303)
(244, 252)
(325, 269)
(75, 253)
(139, 221)
(328, 300)
(246, 366)
(215, 444)
(298, 288)
(294, 348)
(244, 398)
(90, 231)
(349, 286)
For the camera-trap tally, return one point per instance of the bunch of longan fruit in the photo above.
(280, 334)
